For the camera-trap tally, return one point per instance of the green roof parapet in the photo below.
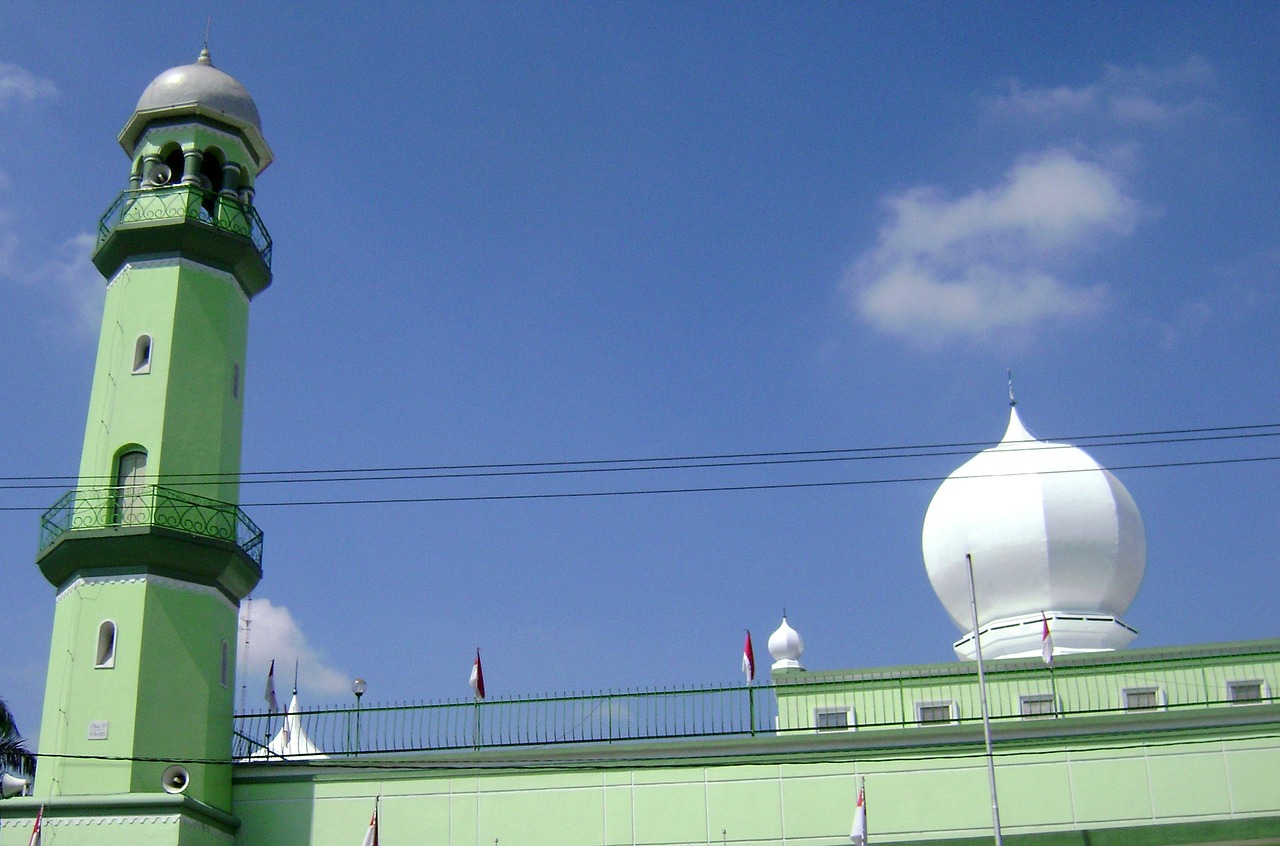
(896, 706)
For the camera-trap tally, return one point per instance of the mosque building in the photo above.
(1034, 550)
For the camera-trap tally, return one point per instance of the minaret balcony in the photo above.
(151, 529)
(186, 219)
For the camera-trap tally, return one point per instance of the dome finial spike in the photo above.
(203, 58)
(1013, 403)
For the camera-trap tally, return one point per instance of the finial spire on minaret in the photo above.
(1012, 402)
(203, 58)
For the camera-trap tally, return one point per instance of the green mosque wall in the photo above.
(1051, 790)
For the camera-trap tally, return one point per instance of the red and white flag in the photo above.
(859, 833)
(748, 659)
(272, 702)
(1046, 642)
(477, 678)
(35, 829)
(371, 836)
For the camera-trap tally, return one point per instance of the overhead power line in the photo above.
(708, 489)
(661, 463)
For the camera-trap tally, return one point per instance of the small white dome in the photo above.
(786, 646)
(1050, 530)
(201, 84)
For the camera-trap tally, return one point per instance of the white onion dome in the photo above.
(1051, 533)
(786, 646)
(198, 89)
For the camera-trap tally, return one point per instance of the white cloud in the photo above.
(1126, 96)
(18, 83)
(946, 268)
(1047, 103)
(67, 275)
(275, 635)
(78, 283)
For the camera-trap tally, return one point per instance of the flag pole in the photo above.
(986, 716)
(1053, 687)
(1046, 655)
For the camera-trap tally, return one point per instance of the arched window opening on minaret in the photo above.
(142, 355)
(174, 161)
(106, 654)
(211, 178)
(130, 499)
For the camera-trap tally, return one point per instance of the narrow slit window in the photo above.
(106, 655)
(226, 665)
(130, 490)
(142, 355)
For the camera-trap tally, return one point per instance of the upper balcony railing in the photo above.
(908, 698)
(175, 202)
(151, 505)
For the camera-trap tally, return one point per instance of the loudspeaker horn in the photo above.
(11, 785)
(175, 779)
(159, 175)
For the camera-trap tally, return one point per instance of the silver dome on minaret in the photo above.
(199, 90)
(1053, 535)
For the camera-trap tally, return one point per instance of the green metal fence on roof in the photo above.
(920, 700)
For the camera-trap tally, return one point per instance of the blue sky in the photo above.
(511, 233)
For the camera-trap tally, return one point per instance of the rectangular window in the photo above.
(831, 719)
(1037, 705)
(928, 713)
(1246, 692)
(1142, 698)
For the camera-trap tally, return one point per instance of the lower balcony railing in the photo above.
(150, 505)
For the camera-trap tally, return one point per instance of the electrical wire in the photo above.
(709, 460)
(960, 752)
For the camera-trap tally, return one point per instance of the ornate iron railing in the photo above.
(187, 201)
(806, 704)
(150, 505)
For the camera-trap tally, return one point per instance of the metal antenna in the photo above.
(1012, 402)
(244, 662)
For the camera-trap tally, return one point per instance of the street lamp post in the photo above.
(358, 687)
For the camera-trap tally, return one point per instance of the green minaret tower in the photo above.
(150, 554)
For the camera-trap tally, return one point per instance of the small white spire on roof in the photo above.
(786, 646)
(291, 741)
